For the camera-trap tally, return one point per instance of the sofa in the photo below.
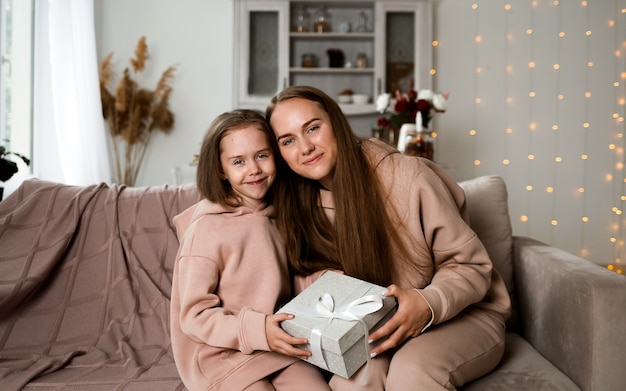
(85, 279)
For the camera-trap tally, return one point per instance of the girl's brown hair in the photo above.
(360, 241)
(209, 177)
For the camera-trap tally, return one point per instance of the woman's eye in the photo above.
(313, 128)
(287, 141)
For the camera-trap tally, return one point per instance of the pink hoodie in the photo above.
(230, 272)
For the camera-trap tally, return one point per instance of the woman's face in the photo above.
(306, 139)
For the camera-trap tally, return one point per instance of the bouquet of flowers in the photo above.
(405, 108)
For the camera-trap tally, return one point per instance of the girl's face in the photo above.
(247, 163)
(306, 139)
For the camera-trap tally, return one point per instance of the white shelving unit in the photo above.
(395, 38)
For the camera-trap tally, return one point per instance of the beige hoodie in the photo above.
(433, 223)
(230, 272)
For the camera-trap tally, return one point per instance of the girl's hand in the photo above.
(409, 320)
(280, 341)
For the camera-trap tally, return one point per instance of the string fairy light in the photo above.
(618, 148)
(532, 125)
(508, 101)
(555, 127)
(583, 251)
(477, 70)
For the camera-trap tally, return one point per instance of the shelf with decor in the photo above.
(366, 47)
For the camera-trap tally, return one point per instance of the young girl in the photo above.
(231, 272)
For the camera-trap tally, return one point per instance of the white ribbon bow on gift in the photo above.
(353, 308)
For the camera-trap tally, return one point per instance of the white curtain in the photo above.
(70, 139)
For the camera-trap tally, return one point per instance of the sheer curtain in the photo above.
(70, 139)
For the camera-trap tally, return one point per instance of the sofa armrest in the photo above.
(573, 312)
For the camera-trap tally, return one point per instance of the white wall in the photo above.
(197, 35)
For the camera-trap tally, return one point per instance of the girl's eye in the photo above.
(263, 155)
(237, 162)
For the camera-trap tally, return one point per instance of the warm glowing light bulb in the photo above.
(588, 33)
(477, 162)
(474, 6)
(507, 7)
(584, 156)
(587, 94)
(529, 31)
(590, 64)
(432, 71)
(505, 162)
(558, 159)
(554, 222)
(478, 39)
(560, 96)
(531, 157)
(472, 132)
(556, 67)
(478, 70)
(532, 126)
(581, 189)
(477, 101)
(529, 187)
(585, 219)
(523, 218)
(509, 68)
(531, 94)
(509, 130)
(586, 125)
(531, 64)
(561, 34)
(584, 252)
(550, 189)
(611, 23)
(435, 43)
(509, 99)
(583, 3)
(555, 127)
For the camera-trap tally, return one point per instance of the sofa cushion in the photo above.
(487, 204)
(522, 368)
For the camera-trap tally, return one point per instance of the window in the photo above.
(16, 87)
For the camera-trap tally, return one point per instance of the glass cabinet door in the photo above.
(404, 51)
(261, 42)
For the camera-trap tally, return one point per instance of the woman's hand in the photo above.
(280, 341)
(409, 320)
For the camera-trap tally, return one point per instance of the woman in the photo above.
(361, 207)
(230, 272)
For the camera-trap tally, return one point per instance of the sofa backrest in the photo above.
(487, 204)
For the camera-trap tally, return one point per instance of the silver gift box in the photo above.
(343, 343)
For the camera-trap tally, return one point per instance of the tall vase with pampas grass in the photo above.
(132, 113)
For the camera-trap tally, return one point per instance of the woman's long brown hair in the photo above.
(360, 241)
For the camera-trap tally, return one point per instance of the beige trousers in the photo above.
(443, 358)
(300, 376)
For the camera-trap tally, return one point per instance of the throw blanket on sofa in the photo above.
(85, 280)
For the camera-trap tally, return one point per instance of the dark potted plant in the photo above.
(8, 167)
